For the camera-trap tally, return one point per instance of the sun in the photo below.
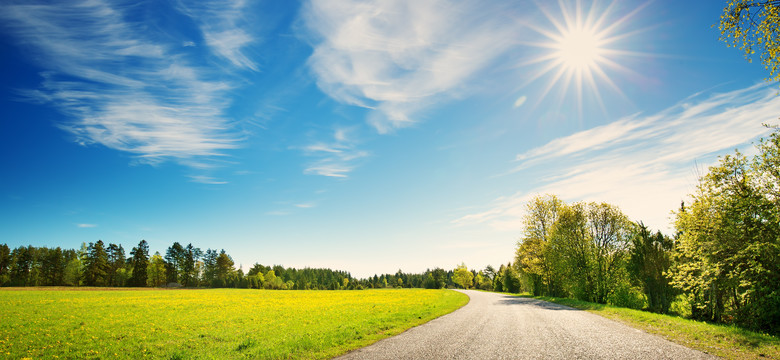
(579, 51)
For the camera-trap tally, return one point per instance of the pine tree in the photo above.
(139, 262)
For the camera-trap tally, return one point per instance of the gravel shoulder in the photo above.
(498, 326)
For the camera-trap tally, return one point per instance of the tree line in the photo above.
(721, 265)
(98, 264)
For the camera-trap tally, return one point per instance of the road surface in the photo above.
(497, 326)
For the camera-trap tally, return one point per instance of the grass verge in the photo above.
(729, 342)
(209, 323)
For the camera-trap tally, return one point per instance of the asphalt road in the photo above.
(496, 326)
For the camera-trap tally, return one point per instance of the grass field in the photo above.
(728, 342)
(213, 323)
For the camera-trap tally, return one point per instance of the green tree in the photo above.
(116, 262)
(649, 261)
(21, 269)
(73, 272)
(210, 267)
(510, 280)
(5, 264)
(225, 269)
(462, 276)
(753, 26)
(532, 255)
(96, 265)
(53, 262)
(728, 258)
(174, 262)
(611, 231)
(140, 264)
(155, 272)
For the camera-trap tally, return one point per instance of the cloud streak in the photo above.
(223, 27)
(399, 57)
(335, 158)
(120, 86)
(645, 164)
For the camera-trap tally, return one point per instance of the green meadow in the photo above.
(51, 323)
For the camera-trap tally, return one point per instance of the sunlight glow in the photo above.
(579, 51)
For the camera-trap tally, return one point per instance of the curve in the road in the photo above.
(497, 326)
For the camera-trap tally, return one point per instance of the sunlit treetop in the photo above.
(754, 26)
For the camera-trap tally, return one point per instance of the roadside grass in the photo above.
(209, 323)
(728, 342)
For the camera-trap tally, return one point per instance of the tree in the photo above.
(140, 263)
(610, 231)
(754, 26)
(96, 265)
(53, 264)
(439, 278)
(116, 262)
(189, 256)
(225, 268)
(72, 274)
(156, 271)
(174, 260)
(210, 267)
(462, 276)
(728, 258)
(5, 264)
(22, 259)
(649, 261)
(532, 255)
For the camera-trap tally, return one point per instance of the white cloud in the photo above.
(644, 164)
(336, 158)
(120, 88)
(223, 26)
(203, 179)
(86, 226)
(398, 57)
(520, 101)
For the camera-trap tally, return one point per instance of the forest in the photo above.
(96, 264)
(721, 265)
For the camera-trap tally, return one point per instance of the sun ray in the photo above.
(580, 42)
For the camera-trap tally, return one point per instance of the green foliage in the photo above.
(533, 254)
(96, 266)
(573, 250)
(753, 26)
(727, 258)
(510, 281)
(462, 276)
(156, 275)
(627, 296)
(139, 263)
(649, 260)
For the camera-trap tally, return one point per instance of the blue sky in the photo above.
(366, 136)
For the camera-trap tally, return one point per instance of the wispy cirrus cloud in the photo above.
(646, 164)
(335, 158)
(203, 179)
(223, 25)
(121, 86)
(398, 57)
(86, 226)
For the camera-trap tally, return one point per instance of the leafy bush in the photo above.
(627, 296)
